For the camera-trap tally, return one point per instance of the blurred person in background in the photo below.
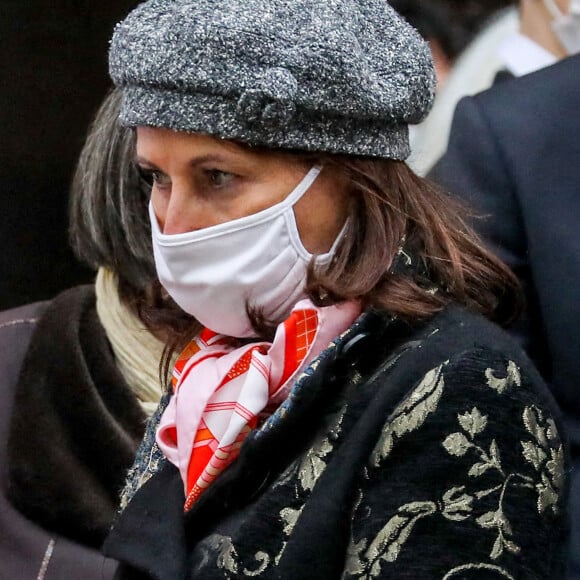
(507, 43)
(449, 26)
(54, 76)
(548, 31)
(79, 375)
(463, 36)
(513, 155)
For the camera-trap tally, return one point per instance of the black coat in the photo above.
(69, 429)
(404, 452)
(514, 152)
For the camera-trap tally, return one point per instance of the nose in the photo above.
(180, 212)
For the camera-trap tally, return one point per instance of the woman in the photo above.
(79, 376)
(342, 408)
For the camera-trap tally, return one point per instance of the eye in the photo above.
(154, 177)
(219, 178)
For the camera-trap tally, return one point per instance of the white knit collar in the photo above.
(136, 350)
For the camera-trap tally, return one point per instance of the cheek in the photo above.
(320, 218)
(254, 200)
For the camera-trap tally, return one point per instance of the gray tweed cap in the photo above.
(339, 76)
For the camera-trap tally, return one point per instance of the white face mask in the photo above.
(566, 26)
(258, 260)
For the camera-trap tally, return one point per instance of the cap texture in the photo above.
(339, 76)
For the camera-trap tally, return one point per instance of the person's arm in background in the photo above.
(475, 169)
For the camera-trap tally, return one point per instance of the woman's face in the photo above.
(200, 181)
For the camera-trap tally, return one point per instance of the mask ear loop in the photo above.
(553, 9)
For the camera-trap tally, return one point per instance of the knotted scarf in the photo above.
(221, 392)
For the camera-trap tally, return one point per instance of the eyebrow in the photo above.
(194, 162)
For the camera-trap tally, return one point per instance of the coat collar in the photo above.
(318, 393)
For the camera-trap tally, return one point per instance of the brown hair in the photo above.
(389, 204)
(109, 222)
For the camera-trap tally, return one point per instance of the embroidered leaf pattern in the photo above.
(533, 454)
(224, 552)
(501, 385)
(494, 454)
(412, 413)
(494, 519)
(487, 520)
(473, 422)
(313, 465)
(290, 517)
(458, 444)
(355, 561)
(390, 540)
(308, 468)
(311, 468)
(533, 420)
(555, 465)
(478, 469)
(545, 458)
(498, 521)
(551, 430)
(543, 452)
(547, 496)
(497, 549)
(457, 505)
(502, 544)
(490, 460)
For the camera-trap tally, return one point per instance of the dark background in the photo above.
(53, 76)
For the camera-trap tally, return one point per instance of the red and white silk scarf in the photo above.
(220, 392)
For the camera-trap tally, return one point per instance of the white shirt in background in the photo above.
(521, 55)
(499, 46)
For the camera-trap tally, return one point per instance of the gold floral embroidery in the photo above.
(411, 414)
(544, 453)
(389, 541)
(309, 468)
(456, 505)
(312, 466)
(545, 457)
(290, 517)
(263, 561)
(498, 521)
(473, 422)
(512, 377)
(226, 557)
(366, 557)
(459, 572)
(306, 471)
(458, 444)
